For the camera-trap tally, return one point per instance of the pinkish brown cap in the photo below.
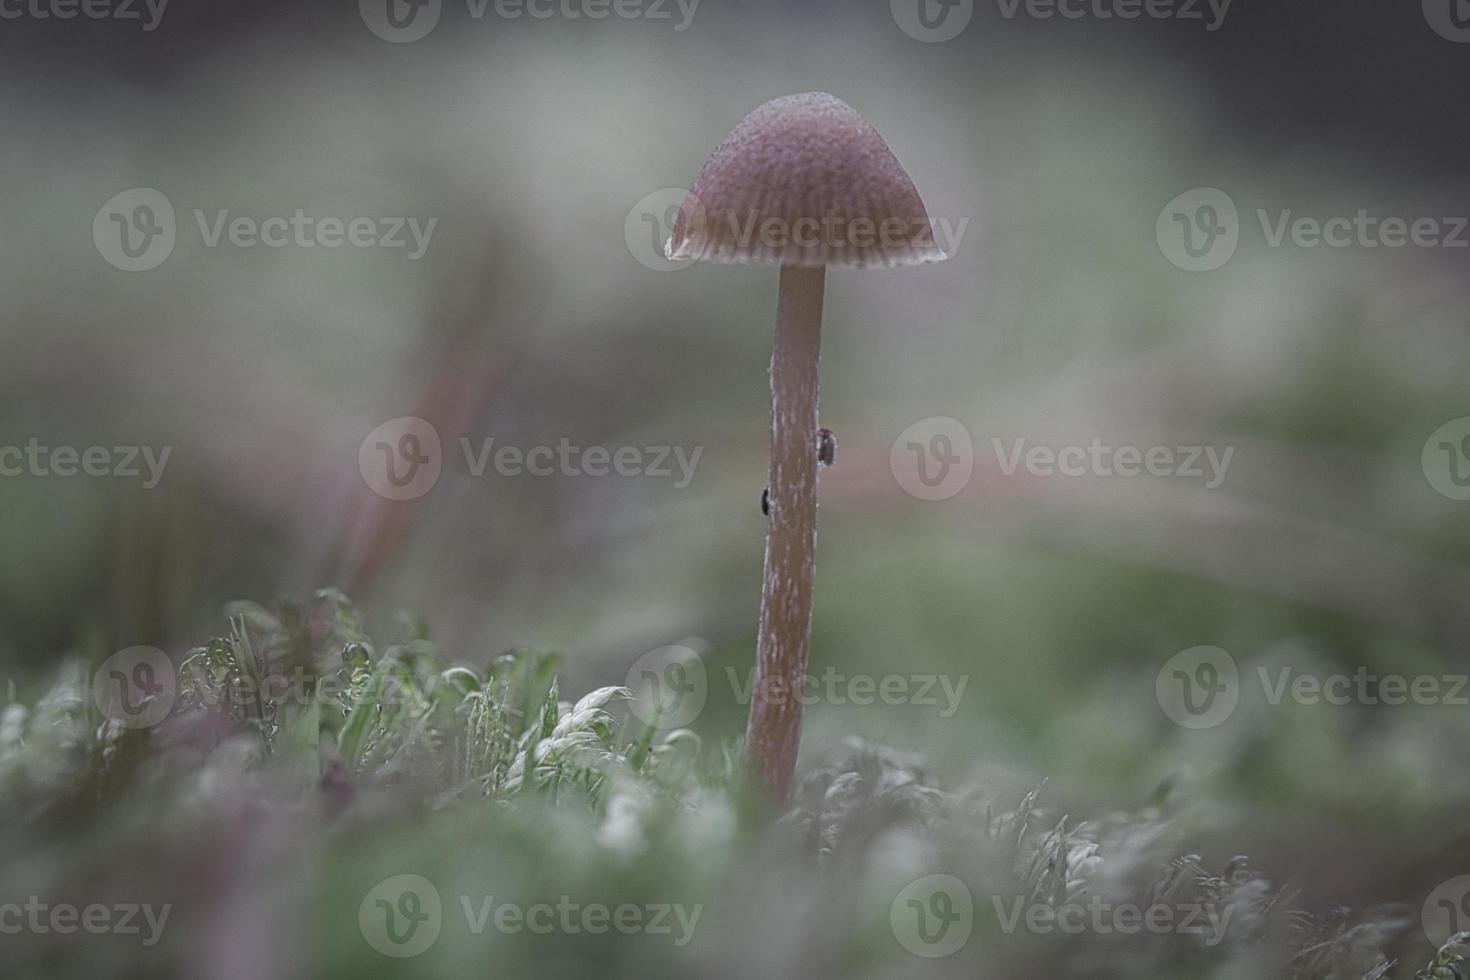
(804, 180)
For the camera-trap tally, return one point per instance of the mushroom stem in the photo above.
(773, 732)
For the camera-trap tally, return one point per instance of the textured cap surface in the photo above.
(804, 180)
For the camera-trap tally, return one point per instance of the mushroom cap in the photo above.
(804, 180)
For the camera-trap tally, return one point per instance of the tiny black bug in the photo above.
(766, 501)
(826, 446)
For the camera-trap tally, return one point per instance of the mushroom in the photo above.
(803, 182)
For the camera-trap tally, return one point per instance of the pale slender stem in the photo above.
(773, 733)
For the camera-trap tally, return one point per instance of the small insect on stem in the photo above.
(826, 455)
(826, 446)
